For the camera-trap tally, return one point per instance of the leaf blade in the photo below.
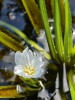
(47, 28)
(58, 32)
(68, 43)
(62, 10)
(10, 43)
(34, 14)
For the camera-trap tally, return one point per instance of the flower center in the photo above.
(29, 70)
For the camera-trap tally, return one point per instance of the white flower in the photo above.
(28, 64)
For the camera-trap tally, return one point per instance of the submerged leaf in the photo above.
(34, 14)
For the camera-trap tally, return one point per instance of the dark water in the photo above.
(12, 13)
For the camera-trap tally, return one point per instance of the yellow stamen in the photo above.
(29, 70)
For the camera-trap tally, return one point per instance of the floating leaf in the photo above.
(34, 14)
(10, 43)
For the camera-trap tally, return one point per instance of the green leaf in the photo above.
(71, 84)
(62, 10)
(58, 32)
(47, 28)
(62, 14)
(10, 34)
(31, 82)
(73, 50)
(10, 43)
(72, 57)
(22, 35)
(68, 43)
(34, 14)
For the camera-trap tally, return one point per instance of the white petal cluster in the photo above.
(28, 64)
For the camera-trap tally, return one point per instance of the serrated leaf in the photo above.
(22, 35)
(31, 82)
(10, 43)
(47, 28)
(68, 43)
(58, 32)
(34, 14)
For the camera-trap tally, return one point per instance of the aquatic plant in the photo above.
(28, 64)
(62, 52)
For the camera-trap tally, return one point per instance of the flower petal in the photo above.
(30, 55)
(38, 73)
(26, 58)
(18, 69)
(19, 58)
(37, 62)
